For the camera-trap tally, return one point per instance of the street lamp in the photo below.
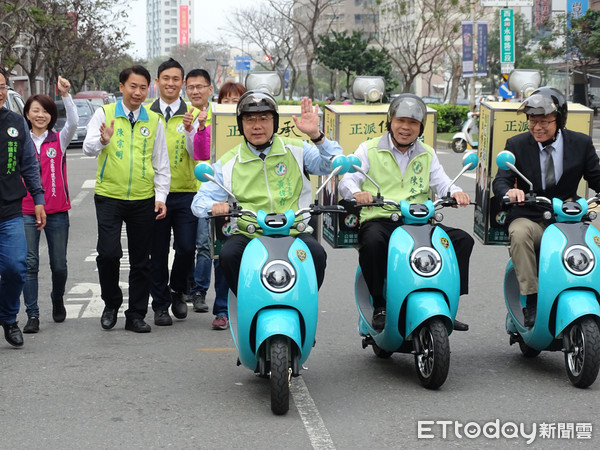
(216, 68)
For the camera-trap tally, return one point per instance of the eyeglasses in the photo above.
(253, 119)
(542, 123)
(3, 87)
(196, 87)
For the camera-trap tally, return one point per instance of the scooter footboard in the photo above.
(422, 305)
(283, 321)
(572, 304)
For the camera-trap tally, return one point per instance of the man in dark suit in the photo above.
(554, 160)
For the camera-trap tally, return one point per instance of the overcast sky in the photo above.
(209, 16)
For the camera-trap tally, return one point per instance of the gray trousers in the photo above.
(525, 237)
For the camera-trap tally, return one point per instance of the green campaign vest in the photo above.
(275, 185)
(383, 168)
(181, 163)
(125, 165)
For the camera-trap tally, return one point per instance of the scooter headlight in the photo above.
(578, 260)
(426, 261)
(278, 276)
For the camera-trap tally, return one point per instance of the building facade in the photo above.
(168, 24)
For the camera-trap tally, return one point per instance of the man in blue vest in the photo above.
(18, 163)
(391, 161)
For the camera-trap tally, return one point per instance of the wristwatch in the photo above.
(321, 136)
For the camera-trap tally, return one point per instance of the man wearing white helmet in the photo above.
(405, 169)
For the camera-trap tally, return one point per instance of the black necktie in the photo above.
(131, 118)
(168, 111)
(550, 177)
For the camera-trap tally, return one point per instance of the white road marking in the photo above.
(89, 184)
(313, 423)
(80, 197)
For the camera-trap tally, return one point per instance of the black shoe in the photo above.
(109, 318)
(13, 334)
(137, 326)
(33, 325)
(162, 318)
(200, 305)
(178, 305)
(460, 326)
(59, 313)
(378, 319)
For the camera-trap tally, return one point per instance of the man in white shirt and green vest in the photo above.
(405, 169)
(132, 183)
(169, 289)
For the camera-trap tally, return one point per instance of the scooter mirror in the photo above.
(202, 170)
(505, 160)
(353, 161)
(342, 162)
(470, 160)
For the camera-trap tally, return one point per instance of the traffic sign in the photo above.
(505, 92)
(242, 65)
(243, 58)
(507, 40)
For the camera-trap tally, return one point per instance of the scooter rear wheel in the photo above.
(432, 356)
(280, 375)
(583, 358)
(459, 145)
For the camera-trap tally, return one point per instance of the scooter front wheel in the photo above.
(280, 375)
(379, 352)
(459, 145)
(432, 354)
(527, 351)
(583, 357)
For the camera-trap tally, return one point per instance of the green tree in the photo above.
(584, 44)
(352, 56)
(338, 51)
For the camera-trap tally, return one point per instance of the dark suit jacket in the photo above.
(579, 160)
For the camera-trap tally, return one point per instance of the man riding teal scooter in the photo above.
(265, 174)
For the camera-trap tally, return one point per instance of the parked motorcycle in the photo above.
(273, 319)
(422, 286)
(568, 309)
(467, 137)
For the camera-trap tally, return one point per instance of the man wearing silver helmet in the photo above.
(405, 169)
(554, 160)
(267, 172)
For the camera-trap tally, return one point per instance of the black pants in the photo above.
(233, 248)
(184, 224)
(374, 238)
(139, 218)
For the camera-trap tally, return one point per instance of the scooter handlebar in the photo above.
(530, 199)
